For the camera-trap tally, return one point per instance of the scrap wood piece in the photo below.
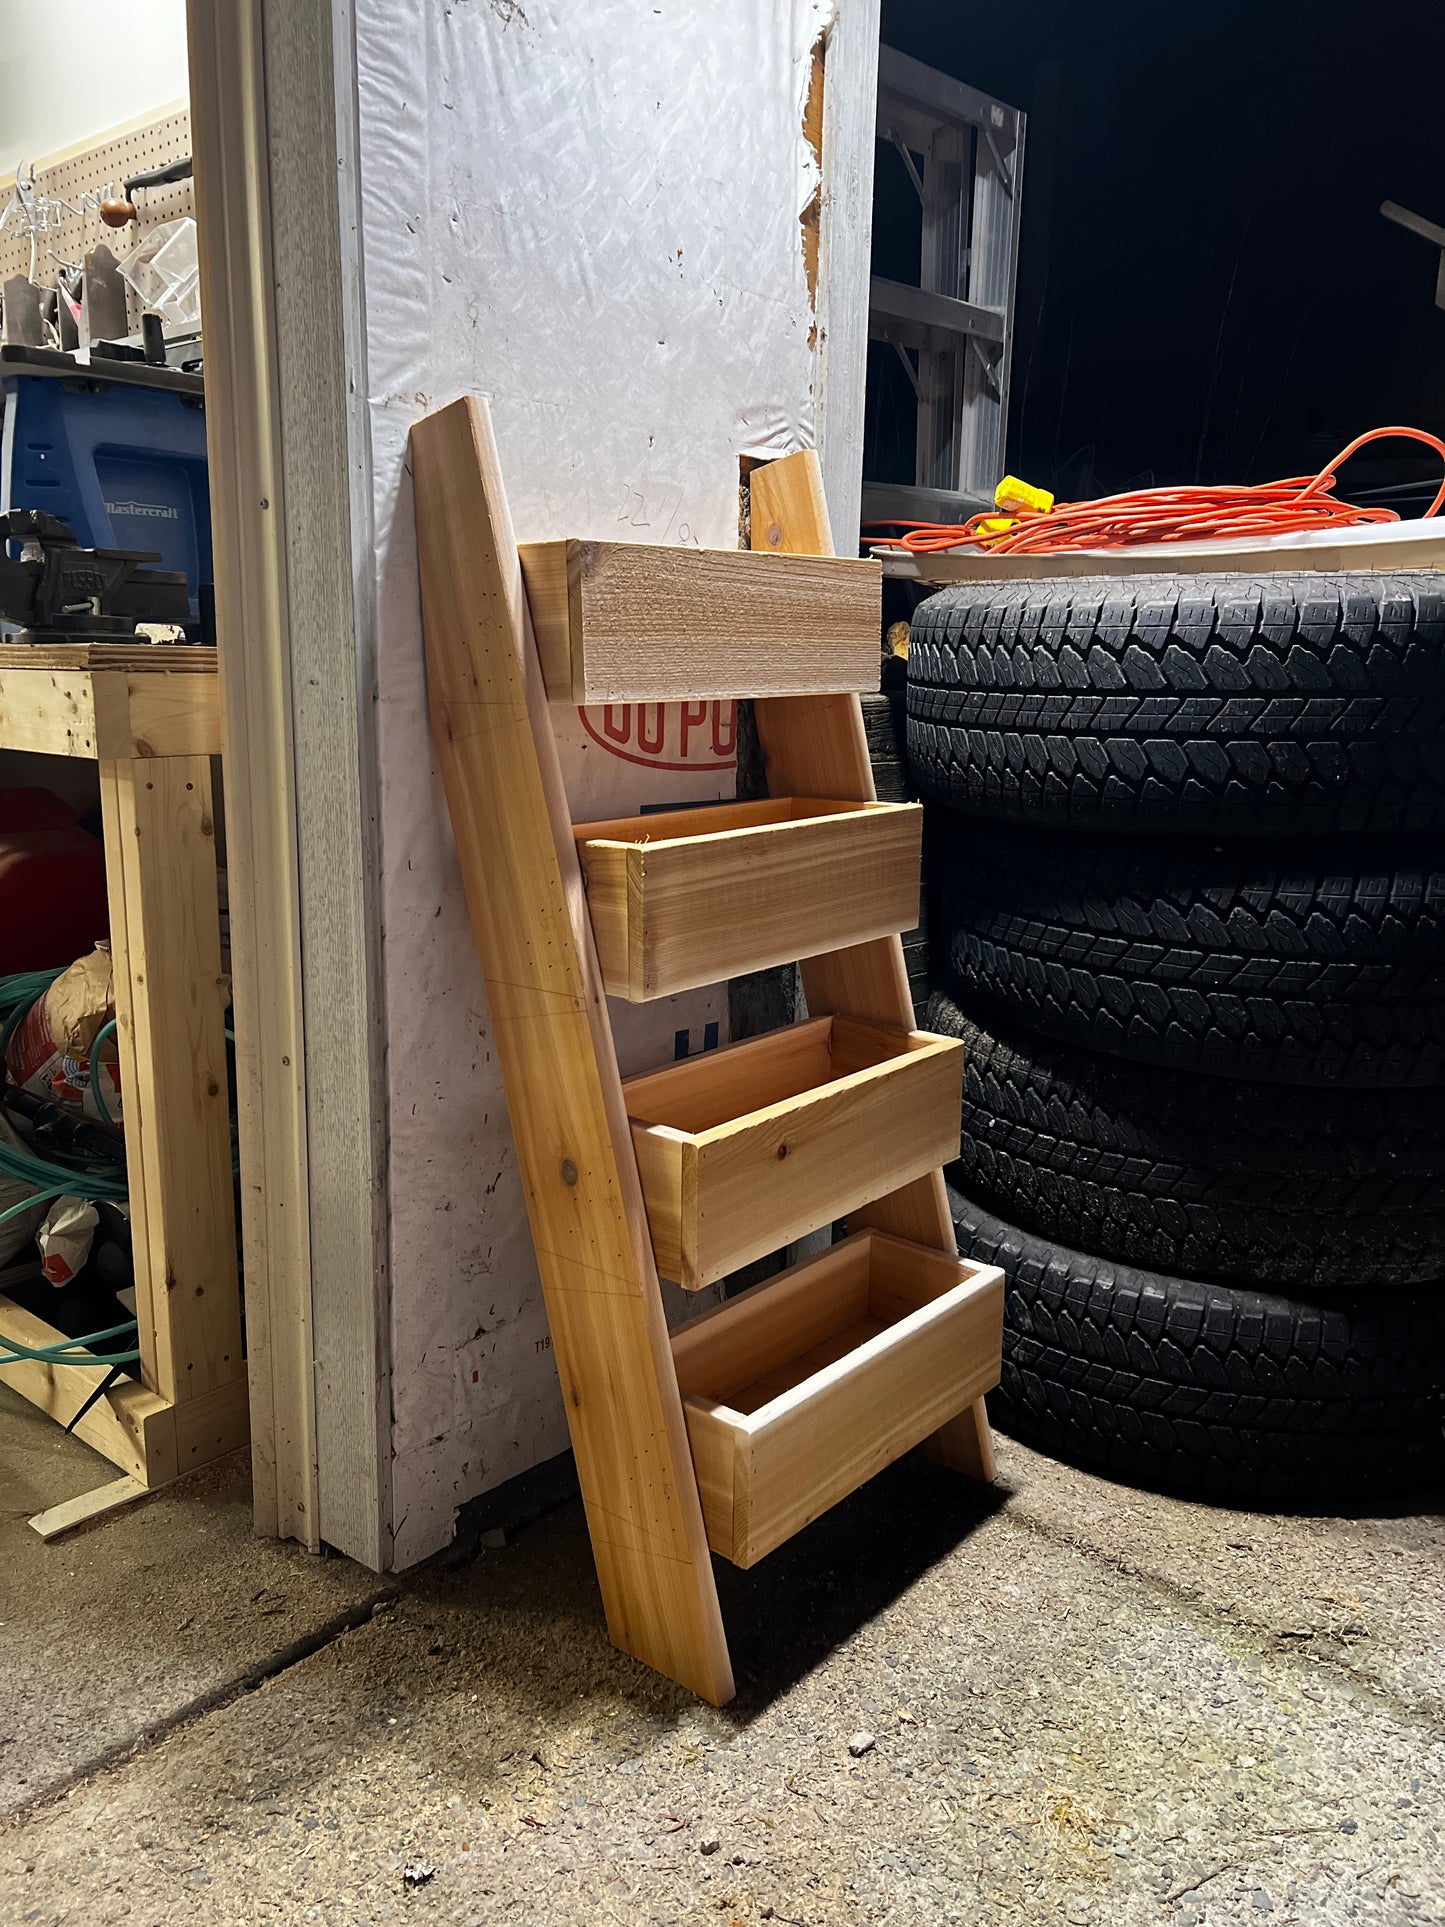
(57, 1520)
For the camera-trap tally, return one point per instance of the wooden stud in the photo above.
(623, 622)
(52, 714)
(150, 715)
(212, 1424)
(850, 110)
(499, 766)
(165, 940)
(326, 658)
(815, 746)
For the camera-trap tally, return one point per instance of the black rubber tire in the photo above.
(885, 728)
(884, 725)
(1246, 1398)
(1281, 705)
(1303, 965)
(1211, 1179)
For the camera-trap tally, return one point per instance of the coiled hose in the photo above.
(55, 1179)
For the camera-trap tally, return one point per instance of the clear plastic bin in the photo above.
(165, 273)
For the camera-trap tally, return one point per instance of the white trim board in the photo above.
(297, 714)
(252, 619)
(311, 97)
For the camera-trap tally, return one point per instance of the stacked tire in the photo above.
(1187, 849)
(885, 728)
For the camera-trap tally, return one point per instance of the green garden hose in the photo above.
(53, 1180)
(95, 1087)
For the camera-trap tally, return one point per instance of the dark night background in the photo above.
(1207, 291)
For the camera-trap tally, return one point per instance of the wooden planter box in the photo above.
(801, 1389)
(741, 1149)
(626, 622)
(690, 897)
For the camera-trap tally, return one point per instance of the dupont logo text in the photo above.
(696, 735)
(152, 511)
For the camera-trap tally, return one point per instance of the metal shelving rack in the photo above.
(953, 332)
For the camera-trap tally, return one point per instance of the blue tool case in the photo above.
(115, 449)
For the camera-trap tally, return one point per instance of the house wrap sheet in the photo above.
(589, 211)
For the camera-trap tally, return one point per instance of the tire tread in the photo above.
(1252, 706)
(1228, 1182)
(1243, 1397)
(1313, 965)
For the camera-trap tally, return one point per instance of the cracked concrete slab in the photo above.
(1364, 1593)
(1081, 1707)
(124, 1625)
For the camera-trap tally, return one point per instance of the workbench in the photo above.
(149, 716)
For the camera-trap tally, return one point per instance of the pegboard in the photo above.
(111, 161)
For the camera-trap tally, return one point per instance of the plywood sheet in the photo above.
(591, 215)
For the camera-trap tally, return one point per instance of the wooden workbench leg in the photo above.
(170, 1005)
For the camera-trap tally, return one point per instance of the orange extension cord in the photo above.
(1162, 514)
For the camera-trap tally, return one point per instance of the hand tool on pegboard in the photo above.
(120, 210)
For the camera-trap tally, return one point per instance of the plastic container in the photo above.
(165, 272)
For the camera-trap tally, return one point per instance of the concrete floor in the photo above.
(1088, 1705)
